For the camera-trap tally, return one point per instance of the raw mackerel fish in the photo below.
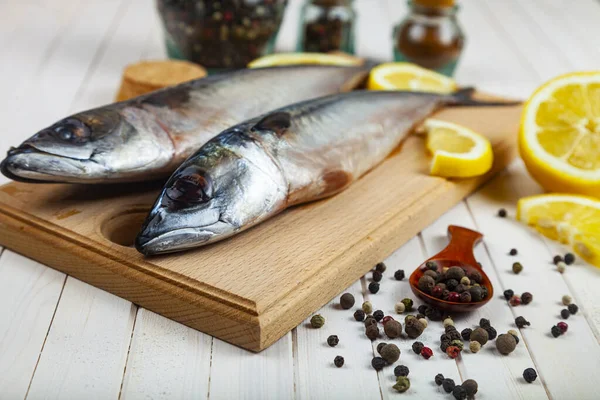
(296, 154)
(148, 137)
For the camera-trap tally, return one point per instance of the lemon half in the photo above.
(407, 76)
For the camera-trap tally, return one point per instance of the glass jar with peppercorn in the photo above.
(430, 36)
(327, 25)
(220, 33)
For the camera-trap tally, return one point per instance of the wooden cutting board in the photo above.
(253, 288)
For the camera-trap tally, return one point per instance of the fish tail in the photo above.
(464, 97)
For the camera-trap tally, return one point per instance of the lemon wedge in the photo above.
(458, 152)
(571, 219)
(280, 59)
(559, 139)
(407, 76)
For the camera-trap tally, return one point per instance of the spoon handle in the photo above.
(460, 248)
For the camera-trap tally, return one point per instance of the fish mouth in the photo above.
(32, 165)
(175, 240)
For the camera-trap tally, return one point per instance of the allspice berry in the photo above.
(414, 328)
(426, 283)
(370, 320)
(479, 335)
(317, 321)
(372, 332)
(402, 384)
(347, 301)
(399, 308)
(367, 307)
(455, 273)
(392, 329)
(506, 343)
(471, 387)
(474, 346)
(390, 353)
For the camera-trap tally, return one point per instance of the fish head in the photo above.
(213, 195)
(83, 148)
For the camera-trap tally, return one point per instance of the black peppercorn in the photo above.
(439, 378)
(454, 335)
(431, 265)
(465, 297)
(564, 313)
(448, 385)
(508, 294)
(513, 252)
(378, 363)
(475, 277)
(347, 301)
(502, 213)
(526, 298)
(483, 322)
(459, 393)
(451, 284)
(422, 309)
(359, 315)
(484, 292)
(338, 361)
(466, 333)
(573, 308)
(555, 331)
(557, 259)
(491, 332)
(529, 375)
(399, 275)
(380, 267)
(333, 340)
(569, 258)
(521, 322)
(417, 347)
(373, 287)
(401, 370)
(460, 288)
(476, 293)
(444, 345)
(378, 315)
(377, 276)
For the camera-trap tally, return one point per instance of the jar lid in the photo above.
(331, 3)
(435, 3)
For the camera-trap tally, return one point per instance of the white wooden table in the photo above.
(61, 338)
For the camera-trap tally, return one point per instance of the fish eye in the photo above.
(72, 130)
(190, 187)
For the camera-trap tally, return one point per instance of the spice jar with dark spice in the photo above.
(220, 34)
(327, 25)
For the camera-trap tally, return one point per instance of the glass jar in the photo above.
(430, 36)
(220, 33)
(327, 25)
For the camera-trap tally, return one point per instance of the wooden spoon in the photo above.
(459, 252)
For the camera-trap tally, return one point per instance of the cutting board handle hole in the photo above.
(122, 228)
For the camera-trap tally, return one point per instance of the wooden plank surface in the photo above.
(33, 30)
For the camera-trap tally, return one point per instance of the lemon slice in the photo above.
(280, 59)
(407, 76)
(571, 219)
(559, 139)
(458, 152)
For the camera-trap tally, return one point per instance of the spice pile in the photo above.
(328, 26)
(453, 284)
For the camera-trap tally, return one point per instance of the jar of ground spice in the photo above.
(220, 33)
(430, 36)
(327, 25)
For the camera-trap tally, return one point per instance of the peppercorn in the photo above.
(465, 281)
(506, 343)
(338, 361)
(367, 307)
(372, 332)
(521, 322)
(423, 322)
(426, 353)
(458, 343)
(333, 340)
(437, 291)
(422, 309)
(454, 297)
(452, 351)
(408, 304)
(401, 370)
(434, 314)
(563, 327)
(557, 259)
(456, 273)
(475, 276)
(386, 319)
(408, 317)
(448, 385)
(399, 308)
(449, 327)
(448, 322)
(514, 334)
(377, 276)
(476, 293)
(465, 297)
(480, 335)
(417, 347)
(513, 252)
(561, 267)
(359, 315)
(426, 283)
(370, 320)
(491, 332)
(515, 301)
(517, 268)
(431, 265)
(566, 300)
(445, 294)
(526, 298)
(565, 313)
(569, 258)
(439, 378)
(502, 213)
(378, 363)
(474, 346)
(380, 346)
(460, 288)
(317, 321)
(508, 294)
(402, 384)
(390, 353)
(573, 308)
(347, 301)
(555, 331)
(529, 375)
(378, 315)
(459, 393)
(451, 284)
(380, 267)
(432, 274)
(393, 329)
(373, 287)
(484, 292)
(399, 275)
(444, 345)
(414, 328)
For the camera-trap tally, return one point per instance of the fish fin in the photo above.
(464, 97)
(277, 122)
(335, 181)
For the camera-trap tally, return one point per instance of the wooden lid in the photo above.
(435, 3)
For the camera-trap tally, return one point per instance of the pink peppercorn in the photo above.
(437, 291)
(515, 301)
(454, 297)
(386, 319)
(453, 351)
(563, 327)
(426, 352)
